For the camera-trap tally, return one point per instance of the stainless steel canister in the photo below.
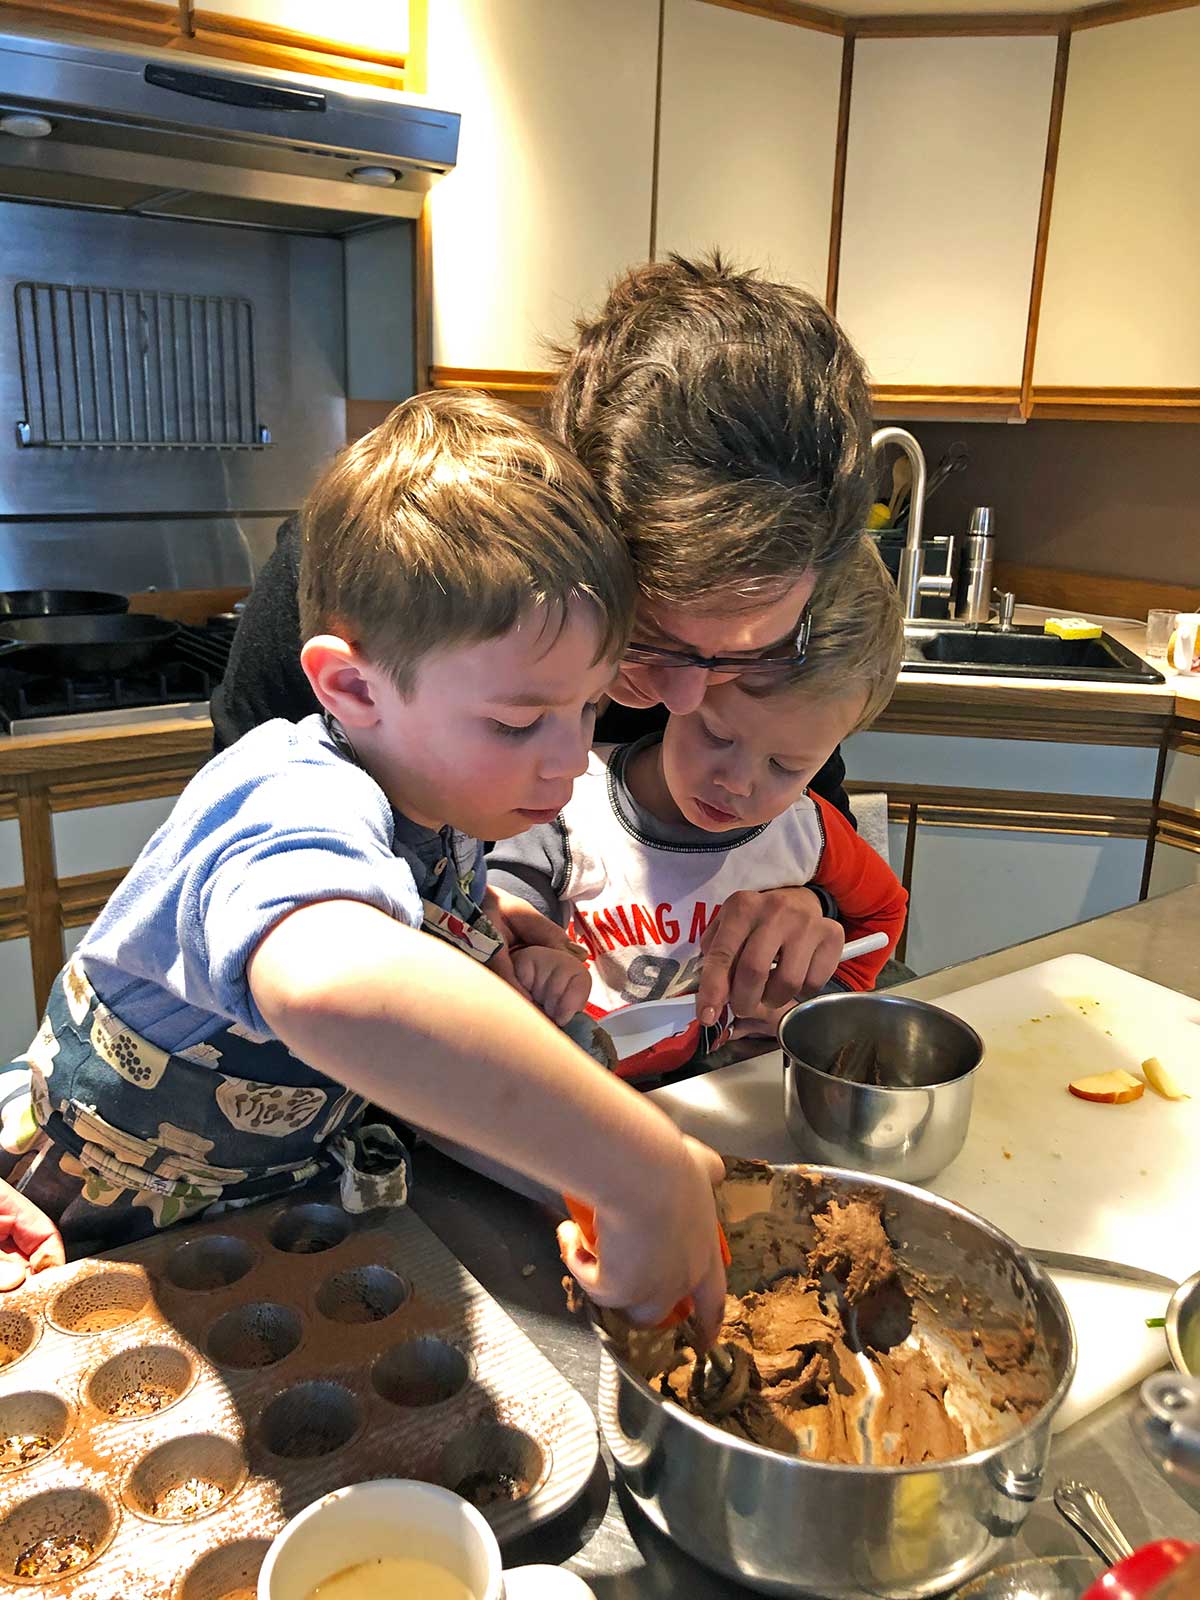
(978, 561)
(911, 1129)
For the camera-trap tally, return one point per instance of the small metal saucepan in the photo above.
(913, 1121)
(83, 644)
(16, 603)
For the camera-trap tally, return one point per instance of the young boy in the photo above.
(660, 832)
(303, 935)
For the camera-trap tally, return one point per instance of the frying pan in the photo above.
(59, 603)
(83, 644)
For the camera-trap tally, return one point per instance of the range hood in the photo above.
(83, 123)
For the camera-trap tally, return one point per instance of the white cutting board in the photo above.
(1122, 1182)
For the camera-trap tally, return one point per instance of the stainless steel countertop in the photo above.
(499, 1236)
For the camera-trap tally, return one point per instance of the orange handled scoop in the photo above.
(585, 1219)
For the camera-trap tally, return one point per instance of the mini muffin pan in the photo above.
(165, 1408)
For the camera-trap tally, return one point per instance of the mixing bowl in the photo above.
(786, 1525)
(912, 1127)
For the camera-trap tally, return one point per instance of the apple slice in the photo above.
(1115, 1088)
(1161, 1081)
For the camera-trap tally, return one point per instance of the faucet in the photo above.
(912, 557)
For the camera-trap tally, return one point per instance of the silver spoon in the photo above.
(1087, 1511)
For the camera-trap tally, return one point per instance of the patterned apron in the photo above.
(220, 1125)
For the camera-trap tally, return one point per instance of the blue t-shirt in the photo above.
(279, 820)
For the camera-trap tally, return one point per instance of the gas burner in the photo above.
(184, 675)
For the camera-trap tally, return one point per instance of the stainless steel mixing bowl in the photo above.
(913, 1128)
(785, 1525)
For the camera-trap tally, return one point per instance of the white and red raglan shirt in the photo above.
(639, 892)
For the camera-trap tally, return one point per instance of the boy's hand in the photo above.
(765, 948)
(29, 1241)
(556, 981)
(647, 1260)
(520, 923)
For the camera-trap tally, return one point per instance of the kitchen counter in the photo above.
(1046, 708)
(509, 1245)
(23, 754)
(929, 698)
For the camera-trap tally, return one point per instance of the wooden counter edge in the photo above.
(1078, 715)
(25, 754)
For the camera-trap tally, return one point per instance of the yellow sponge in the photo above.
(1072, 628)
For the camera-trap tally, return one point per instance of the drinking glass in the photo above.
(1159, 625)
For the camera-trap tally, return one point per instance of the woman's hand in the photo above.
(29, 1241)
(557, 982)
(763, 950)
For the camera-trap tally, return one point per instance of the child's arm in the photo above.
(408, 1022)
(869, 895)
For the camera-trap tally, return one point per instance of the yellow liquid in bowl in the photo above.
(392, 1578)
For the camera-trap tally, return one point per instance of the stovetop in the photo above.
(178, 683)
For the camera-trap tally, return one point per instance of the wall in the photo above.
(1111, 498)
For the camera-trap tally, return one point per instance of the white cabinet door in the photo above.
(97, 838)
(551, 196)
(1173, 868)
(747, 140)
(946, 153)
(978, 889)
(18, 1013)
(1120, 306)
(380, 25)
(882, 760)
(1181, 781)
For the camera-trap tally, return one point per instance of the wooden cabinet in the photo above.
(1003, 839)
(370, 41)
(374, 26)
(747, 140)
(551, 196)
(944, 168)
(88, 850)
(1120, 306)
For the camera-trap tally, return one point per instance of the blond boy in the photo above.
(305, 933)
(662, 832)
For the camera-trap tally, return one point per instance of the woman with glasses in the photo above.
(726, 419)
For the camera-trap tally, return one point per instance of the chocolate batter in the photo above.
(843, 1359)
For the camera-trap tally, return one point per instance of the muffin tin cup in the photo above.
(194, 1391)
(19, 1332)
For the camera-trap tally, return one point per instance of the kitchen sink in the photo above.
(1022, 652)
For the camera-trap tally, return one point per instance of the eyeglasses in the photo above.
(648, 655)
